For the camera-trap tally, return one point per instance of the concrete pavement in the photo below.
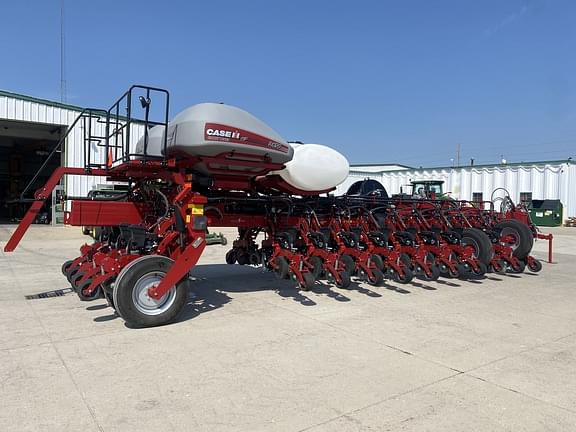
(251, 353)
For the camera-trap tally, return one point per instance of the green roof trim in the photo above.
(40, 100)
(511, 164)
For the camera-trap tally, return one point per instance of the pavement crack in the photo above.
(354, 411)
(512, 390)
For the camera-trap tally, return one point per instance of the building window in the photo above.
(477, 197)
(526, 198)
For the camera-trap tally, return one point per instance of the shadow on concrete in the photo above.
(447, 283)
(355, 286)
(474, 281)
(105, 318)
(322, 287)
(423, 286)
(397, 289)
(97, 307)
(493, 278)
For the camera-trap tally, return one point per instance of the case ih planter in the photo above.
(216, 165)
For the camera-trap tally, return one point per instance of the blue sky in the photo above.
(381, 81)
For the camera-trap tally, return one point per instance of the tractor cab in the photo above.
(428, 189)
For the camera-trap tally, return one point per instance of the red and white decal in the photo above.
(224, 133)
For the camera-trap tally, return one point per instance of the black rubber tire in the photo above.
(283, 269)
(464, 270)
(345, 280)
(126, 283)
(483, 250)
(66, 266)
(520, 269)
(523, 234)
(75, 279)
(317, 266)
(377, 277)
(243, 258)
(71, 272)
(231, 257)
(534, 266)
(498, 267)
(435, 274)
(407, 278)
(309, 281)
(378, 261)
(482, 270)
(405, 258)
(107, 292)
(445, 270)
(348, 263)
(96, 294)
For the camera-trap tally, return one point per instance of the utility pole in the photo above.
(458, 156)
(62, 55)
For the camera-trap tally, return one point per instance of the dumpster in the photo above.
(546, 212)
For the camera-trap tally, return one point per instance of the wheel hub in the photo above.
(147, 304)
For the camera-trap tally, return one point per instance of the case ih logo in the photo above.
(224, 133)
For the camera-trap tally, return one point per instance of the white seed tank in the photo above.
(315, 167)
(211, 129)
(155, 143)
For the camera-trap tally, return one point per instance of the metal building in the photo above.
(29, 128)
(524, 181)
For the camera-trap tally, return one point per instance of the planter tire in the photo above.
(130, 293)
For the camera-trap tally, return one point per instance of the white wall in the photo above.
(14, 108)
(546, 180)
(378, 168)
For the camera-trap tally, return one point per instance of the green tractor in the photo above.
(429, 189)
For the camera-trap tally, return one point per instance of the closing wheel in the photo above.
(231, 256)
(518, 267)
(66, 266)
(377, 261)
(434, 274)
(243, 258)
(453, 273)
(130, 295)
(498, 266)
(283, 267)
(377, 277)
(308, 282)
(317, 266)
(345, 280)
(534, 265)
(348, 263)
(75, 279)
(108, 292)
(71, 272)
(405, 259)
(96, 294)
(482, 269)
(403, 279)
(464, 270)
